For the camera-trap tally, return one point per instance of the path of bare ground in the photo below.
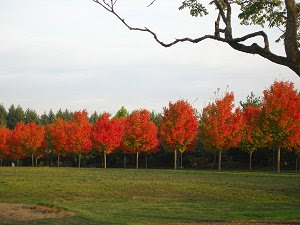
(29, 212)
(238, 223)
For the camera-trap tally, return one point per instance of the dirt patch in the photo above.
(239, 223)
(29, 212)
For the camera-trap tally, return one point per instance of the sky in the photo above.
(73, 54)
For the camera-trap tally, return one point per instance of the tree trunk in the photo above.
(220, 160)
(137, 159)
(57, 160)
(146, 161)
(296, 165)
(181, 160)
(1, 161)
(175, 159)
(32, 160)
(17, 162)
(278, 160)
(273, 158)
(36, 161)
(250, 160)
(79, 160)
(124, 160)
(104, 155)
(215, 158)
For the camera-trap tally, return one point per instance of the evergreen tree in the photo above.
(94, 117)
(3, 116)
(14, 116)
(122, 112)
(51, 116)
(44, 120)
(31, 116)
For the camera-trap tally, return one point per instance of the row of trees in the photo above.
(273, 122)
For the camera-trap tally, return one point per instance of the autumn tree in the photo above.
(221, 127)
(274, 14)
(253, 137)
(106, 134)
(179, 127)
(140, 134)
(78, 131)
(4, 133)
(281, 117)
(29, 137)
(57, 137)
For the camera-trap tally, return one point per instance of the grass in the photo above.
(129, 196)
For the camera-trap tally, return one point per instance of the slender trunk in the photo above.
(215, 158)
(278, 160)
(137, 159)
(250, 160)
(1, 161)
(273, 158)
(36, 161)
(124, 160)
(146, 161)
(32, 160)
(181, 160)
(296, 165)
(17, 162)
(79, 159)
(175, 159)
(220, 160)
(57, 160)
(104, 155)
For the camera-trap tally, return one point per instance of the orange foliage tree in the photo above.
(106, 134)
(281, 117)
(4, 134)
(253, 136)
(221, 127)
(28, 138)
(140, 134)
(57, 138)
(178, 128)
(79, 130)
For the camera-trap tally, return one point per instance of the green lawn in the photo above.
(129, 196)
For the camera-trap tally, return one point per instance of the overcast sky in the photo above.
(73, 54)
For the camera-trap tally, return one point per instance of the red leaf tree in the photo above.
(4, 134)
(79, 130)
(253, 137)
(178, 128)
(281, 111)
(106, 134)
(57, 138)
(140, 133)
(221, 127)
(28, 138)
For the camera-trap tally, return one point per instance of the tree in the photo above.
(106, 134)
(94, 117)
(31, 116)
(140, 134)
(51, 116)
(253, 136)
(122, 113)
(29, 138)
(44, 119)
(79, 130)
(284, 15)
(220, 128)
(57, 135)
(281, 117)
(179, 127)
(4, 133)
(3, 116)
(14, 116)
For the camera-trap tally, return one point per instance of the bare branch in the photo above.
(151, 3)
(259, 33)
